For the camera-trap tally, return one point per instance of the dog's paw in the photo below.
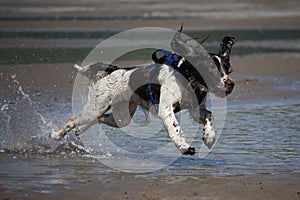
(209, 135)
(190, 151)
(209, 141)
(57, 135)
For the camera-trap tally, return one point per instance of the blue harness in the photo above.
(172, 60)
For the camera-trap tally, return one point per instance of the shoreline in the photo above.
(258, 78)
(265, 77)
(130, 187)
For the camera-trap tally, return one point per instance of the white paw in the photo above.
(57, 135)
(79, 130)
(209, 135)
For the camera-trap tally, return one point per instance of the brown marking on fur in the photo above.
(175, 125)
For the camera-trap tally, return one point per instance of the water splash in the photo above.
(26, 96)
(24, 129)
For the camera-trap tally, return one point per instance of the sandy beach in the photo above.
(211, 188)
(250, 187)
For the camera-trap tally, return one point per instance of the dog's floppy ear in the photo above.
(226, 46)
(181, 46)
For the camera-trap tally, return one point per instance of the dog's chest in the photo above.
(145, 84)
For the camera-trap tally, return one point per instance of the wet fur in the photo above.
(113, 88)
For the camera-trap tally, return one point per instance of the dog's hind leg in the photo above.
(60, 133)
(83, 128)
(120, 116)
(88, 117)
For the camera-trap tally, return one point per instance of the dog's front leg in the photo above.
(167, 115)
(209, 134)
(205, 116)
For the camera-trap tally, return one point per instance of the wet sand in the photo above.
(258, 187)
(258, 78)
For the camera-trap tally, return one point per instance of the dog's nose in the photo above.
(229, 84)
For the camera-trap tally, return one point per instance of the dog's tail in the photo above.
(95, 71)
(78, 68)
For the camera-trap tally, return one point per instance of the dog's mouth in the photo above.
(229, 85)
(224, 88)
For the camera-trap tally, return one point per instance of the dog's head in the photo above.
(213, 68)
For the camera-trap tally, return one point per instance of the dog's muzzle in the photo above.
(229, 85)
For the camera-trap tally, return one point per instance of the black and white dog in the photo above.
(158, 89)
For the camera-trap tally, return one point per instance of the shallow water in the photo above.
(256, 139)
